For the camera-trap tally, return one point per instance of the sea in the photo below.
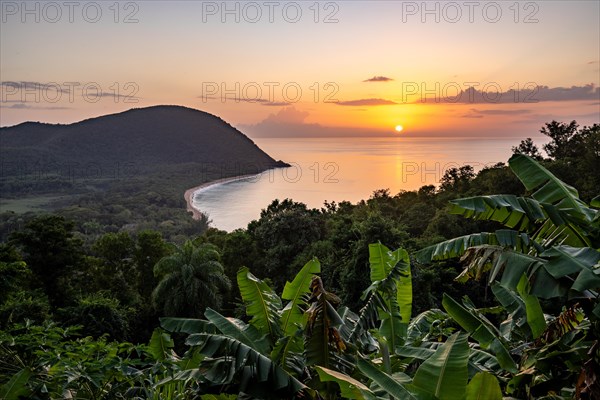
(344, 169)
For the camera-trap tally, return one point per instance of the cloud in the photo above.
(499, 112)
(228, 98)
(20, 106)
(265, 102)
(262, 102)
(205, 98)
(586, 92)
(365, 102)
(276, 104)
(287, 115)
(529, 94)
(472, 115)
(113, 95)
(25, 106)
(538, 119)
(291, 122)
(378, 79)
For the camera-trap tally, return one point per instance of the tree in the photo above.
(99, 314)
(575, 152)
(52, 252)
(497, 178)
(457, 180)
(528, 148)
(426, 192)
(548, 251)
(190, 280)
(563, 137)
(149, 249)
(354, 276)
(382, 201)
(417, 217)
(115, 248)
(238, 249)
(13, 271)
(115, 268)
(284, 229)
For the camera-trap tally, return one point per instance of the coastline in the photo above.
(189, 194)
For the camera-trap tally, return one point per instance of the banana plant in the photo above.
(549, 251)
(269, 356)
(389, 298)
(557, 250)
(306, 346)
(444, 368)
(443, 375)
(281, 350)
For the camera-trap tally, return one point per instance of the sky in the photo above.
(308, 68)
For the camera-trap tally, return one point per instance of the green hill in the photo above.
(144, 137)
(165, 141)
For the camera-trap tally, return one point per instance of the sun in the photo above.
(399, 128)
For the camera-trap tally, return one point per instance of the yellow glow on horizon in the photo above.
(399, 128)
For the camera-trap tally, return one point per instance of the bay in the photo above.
(338, 169)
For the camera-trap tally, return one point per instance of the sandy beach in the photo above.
(188, 195)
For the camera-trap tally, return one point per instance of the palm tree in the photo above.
(190, 280)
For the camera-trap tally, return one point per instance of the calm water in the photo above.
(336, 169)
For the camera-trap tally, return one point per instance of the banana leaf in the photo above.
(238, 330)
(481, 330)
(445, 374)
(484, 386)
(295, 292)
(390, 384)
(232, 365)
(262, 304)
(187, 325)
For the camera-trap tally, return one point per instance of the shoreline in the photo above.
(189, 194)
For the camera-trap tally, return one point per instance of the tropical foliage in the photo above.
(519, 320)
(549, 256)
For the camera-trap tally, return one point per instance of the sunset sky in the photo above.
(308, 68)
